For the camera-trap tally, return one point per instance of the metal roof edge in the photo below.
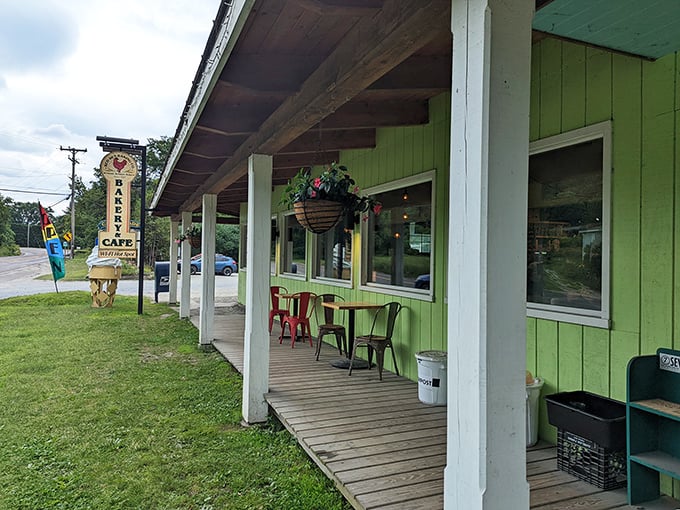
(230, 20)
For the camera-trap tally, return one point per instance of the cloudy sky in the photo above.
(70, 71)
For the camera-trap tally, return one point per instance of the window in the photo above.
(397, 246)
(568, 227)
(333, 254)
(273, 241)
(293, 247)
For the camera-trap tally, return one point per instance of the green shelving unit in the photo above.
(653, 423)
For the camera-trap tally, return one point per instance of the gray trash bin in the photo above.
(432, 377)
(533, 397)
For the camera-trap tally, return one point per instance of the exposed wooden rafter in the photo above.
(341, 7)
(372, 48)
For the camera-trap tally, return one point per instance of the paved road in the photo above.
(17, 278)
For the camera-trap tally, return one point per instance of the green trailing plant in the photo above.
(334, 184)
(189, 233)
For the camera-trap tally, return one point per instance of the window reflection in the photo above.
(400, 238)
(565, 227)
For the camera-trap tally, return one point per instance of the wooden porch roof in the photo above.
(305, 79)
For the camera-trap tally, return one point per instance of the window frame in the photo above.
(324, 279)
(243, 247)
(597, 318)
(283, 236)
(275, 236)
(407, 292)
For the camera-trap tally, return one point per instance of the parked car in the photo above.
(223, 264)
(423, 282)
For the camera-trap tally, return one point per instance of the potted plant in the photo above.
(321, 202)
(193, 235)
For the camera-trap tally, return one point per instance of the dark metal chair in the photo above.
(377, 342)
(326, 323)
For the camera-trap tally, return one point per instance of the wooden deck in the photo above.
(380, 445)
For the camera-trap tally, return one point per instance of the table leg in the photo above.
(344, 362)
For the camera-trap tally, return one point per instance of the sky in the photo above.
(73, 70)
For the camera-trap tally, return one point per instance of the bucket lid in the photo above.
(431, 355)
(538, 383)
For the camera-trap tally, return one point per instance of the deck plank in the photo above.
(381, 446)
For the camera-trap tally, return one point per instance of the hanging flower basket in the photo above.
(318, 216)
(191, 234)
(320, 202)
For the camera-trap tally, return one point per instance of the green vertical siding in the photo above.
(626, 160)
(400, 152)
(573, 86)
(658, 138)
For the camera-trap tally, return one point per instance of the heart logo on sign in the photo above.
(119, 164)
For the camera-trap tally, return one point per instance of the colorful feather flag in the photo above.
(53, 245)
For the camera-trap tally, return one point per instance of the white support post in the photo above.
(174, 233)
(207, 309)
(486, 437)
(185, 291)
(256, 341)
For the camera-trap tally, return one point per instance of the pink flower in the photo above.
(317, 182)
(377, 208)
(313, 195)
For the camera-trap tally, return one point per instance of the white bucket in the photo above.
(432, 377)
(533, 395)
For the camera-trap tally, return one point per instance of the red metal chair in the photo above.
(276, 307)
(305, 309)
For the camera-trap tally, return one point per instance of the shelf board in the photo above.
(659, 406)
(663, 503)
(659, 461)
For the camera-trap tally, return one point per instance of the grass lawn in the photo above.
(76, 269)
(105, 409)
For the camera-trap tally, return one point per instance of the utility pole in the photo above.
(73, 160)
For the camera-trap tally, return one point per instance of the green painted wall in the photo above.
(574, 86)
(399, 153)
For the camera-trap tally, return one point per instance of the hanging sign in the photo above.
(116, 240)
(669, 360)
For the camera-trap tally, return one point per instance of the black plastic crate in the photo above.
(594, 417)
(590, 462)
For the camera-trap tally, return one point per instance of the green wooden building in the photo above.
(528, 182)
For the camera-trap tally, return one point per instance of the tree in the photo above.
(26, 223)
(227, 239)
(157, 235)
(7, 244)
(90, 204)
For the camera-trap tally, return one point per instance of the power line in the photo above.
(33, 192)
(73, 160)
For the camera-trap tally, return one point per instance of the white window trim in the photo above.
(595, 318)
(407, 292)
(281, 270)
(324, 280)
